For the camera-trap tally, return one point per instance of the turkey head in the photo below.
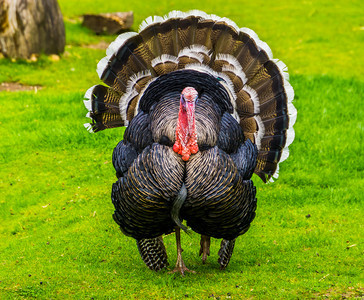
(186, 138)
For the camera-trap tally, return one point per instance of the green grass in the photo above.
(58, 239)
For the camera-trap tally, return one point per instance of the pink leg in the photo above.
(180, 265)
(205, 247)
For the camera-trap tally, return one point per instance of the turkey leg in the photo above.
(180, 265)
(205, 247)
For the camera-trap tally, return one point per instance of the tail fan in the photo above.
(256, 83)
(153, 253)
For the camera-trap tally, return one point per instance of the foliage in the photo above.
(58, 239)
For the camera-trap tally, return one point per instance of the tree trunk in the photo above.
(31, 27)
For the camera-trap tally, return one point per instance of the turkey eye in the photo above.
(183, 101)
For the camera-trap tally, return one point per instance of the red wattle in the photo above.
(186, 138)
(185, 154)
(185, 157)
(176, 147)
(194, 149)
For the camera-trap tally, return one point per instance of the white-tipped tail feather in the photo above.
(260, 133)
(231, 73)
(88, 127)
(261, 45)
(150, 21)
(101, 66)
(164, 58)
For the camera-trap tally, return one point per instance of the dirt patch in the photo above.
(353, 292)
(17, 87)
(100, 45)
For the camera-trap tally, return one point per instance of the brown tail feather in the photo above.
(103, 105)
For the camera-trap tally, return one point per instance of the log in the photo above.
(29, 27)
(109, 23)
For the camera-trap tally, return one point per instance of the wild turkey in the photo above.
(206, 105)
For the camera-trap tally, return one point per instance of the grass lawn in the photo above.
(58, 239)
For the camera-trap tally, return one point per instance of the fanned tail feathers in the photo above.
(256, 83)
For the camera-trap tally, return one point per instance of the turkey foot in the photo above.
(180, 265)
(205, 247)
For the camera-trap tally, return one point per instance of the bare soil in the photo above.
(17, 87)
(101, 45)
